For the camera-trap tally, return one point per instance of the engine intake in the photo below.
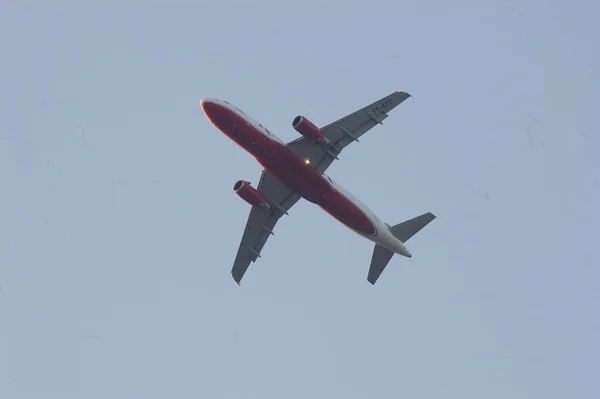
(309, 130)
(249, 194)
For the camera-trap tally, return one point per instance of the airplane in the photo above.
(296, 170)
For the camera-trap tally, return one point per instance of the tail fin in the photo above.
(402, 231)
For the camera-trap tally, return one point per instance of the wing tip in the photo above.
(237, 279)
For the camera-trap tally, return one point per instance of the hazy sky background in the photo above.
(119, 224)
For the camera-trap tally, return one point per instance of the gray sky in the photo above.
(119, 224)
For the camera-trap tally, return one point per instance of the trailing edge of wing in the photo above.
(345, 131)
(261, 222)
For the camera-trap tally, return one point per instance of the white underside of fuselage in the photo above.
(384, 236)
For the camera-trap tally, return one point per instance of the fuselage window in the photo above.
(264, 129)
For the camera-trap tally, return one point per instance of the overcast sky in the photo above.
(119, 224)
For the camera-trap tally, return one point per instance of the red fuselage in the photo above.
(280, 161)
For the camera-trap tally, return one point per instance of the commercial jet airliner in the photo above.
(296, 169)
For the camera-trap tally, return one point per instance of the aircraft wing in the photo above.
(261, 222)
(345, 131)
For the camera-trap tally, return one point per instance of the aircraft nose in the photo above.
(203, 102)
(209, 107)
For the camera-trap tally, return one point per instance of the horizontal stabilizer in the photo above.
(405, 230)
(381, 257)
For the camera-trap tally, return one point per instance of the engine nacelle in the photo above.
(250, 194)
(309, 130)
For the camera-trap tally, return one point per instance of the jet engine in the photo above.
(249, 194)
(309, 130)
